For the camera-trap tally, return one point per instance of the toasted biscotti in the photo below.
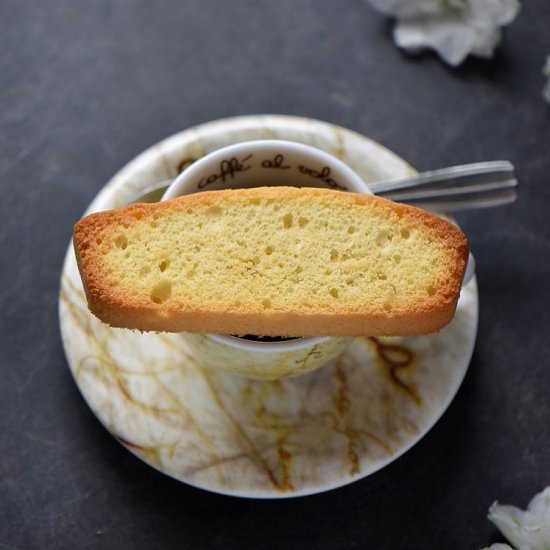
(272, 261)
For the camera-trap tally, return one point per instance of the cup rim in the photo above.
(177, 187)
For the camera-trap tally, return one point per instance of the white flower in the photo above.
(498, 546)
(453, 28)
(546, 71)
(529, 529)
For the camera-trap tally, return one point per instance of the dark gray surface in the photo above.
(86, 85)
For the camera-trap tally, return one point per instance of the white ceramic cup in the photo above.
(254, 164)
(266, 163)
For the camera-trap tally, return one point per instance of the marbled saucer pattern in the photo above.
(252, 438)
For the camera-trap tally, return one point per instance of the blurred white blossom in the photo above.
(526, 530)
(546, 71)
(453, 28)
(498, 546)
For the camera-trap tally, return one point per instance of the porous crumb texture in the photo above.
(272, 261)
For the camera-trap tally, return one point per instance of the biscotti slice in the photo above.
(272, 261)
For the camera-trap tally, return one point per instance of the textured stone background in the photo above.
(86, 85)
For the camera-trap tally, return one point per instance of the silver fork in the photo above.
(468, 186)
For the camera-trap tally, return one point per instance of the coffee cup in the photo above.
(254, 164)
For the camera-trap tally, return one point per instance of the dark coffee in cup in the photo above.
(254, 338)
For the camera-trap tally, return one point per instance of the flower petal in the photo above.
(495, 12)
(528, 530)
(486, 41)
(448, 36)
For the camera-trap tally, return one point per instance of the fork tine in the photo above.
(447, 191)
(463, 174)
(464, 202)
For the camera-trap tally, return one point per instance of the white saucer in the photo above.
(249, 438)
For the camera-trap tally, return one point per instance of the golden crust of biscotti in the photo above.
(273, 261)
